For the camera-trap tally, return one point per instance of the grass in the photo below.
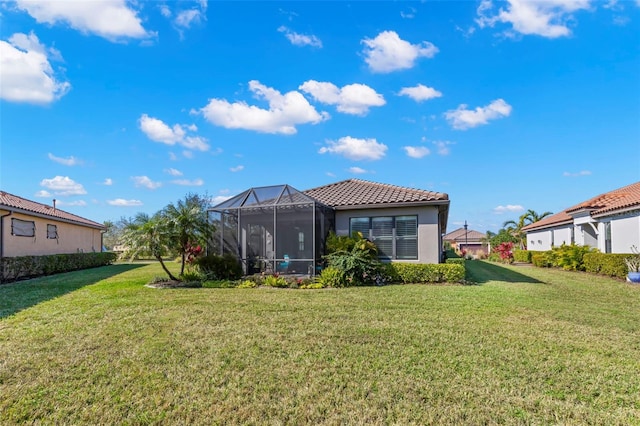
(525, 346)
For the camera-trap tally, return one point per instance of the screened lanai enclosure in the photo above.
(272, 229)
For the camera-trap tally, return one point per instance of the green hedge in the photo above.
(456, 260)
(611, 264)
(15, 268)
(426, 273)
(522, 256)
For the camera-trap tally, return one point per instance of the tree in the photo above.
(148, 234)
(188, 224)
(515, 228)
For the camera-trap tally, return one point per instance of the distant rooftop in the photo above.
(459, 235)
(22, 205)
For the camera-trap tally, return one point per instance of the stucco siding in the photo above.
(539, 240)
(428, 228)
(71, 238)
(625, 232)
(561, 236)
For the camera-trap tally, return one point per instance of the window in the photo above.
(23, 228)
(607, 237)
(301, 241)
(395, 236)
(52, 232)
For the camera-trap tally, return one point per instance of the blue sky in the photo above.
(117, 107)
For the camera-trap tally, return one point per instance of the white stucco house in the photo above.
(609, 222)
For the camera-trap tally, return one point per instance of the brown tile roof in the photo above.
(624, 198)
(459, 235)
(357, 192)
(561, 218)
(14, 203)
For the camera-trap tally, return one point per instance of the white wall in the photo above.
(625, 232)
(539, 240)
(428, 228)
(562, 236)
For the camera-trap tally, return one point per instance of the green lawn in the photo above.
(524, 346)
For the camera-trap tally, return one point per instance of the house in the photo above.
(468, 240)
(279, 228)
(609, 222)
(28, 228)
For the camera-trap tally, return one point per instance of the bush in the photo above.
(191, 277)
(522, 256)
(358, 266)
(543, 259)
(275, 281)
(569, 257)
(216, 267)
(15, 268)
(331, 277)
(457, 261)
(428, 273)
(247, 284)
(609, 264)
(219, 284)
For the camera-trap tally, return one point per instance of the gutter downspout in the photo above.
(2, 245)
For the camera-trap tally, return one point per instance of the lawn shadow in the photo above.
(14, 297)
(482, 272)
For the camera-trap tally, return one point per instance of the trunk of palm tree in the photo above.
(159, 258)
(184, 257)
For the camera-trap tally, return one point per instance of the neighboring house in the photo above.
(28, 228)
(609, 222)
(281, 228)
(468, 240)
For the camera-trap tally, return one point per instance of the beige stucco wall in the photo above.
(71, 238)
(428, 228)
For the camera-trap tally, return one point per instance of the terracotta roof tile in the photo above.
(618, 199)
(459, 235)
(13, 202)
(356, 192)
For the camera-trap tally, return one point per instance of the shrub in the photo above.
(429, 273)
(522, 256)
(14, 268)
(609, 264)
(505, 251)
(360, 265)
(275, 281)
(312, 285)
(190, 277)
(569, 257)
(457, 261)
(543, 259)
(357, 242)
(247, 284)
(331, 277)
(216, 267)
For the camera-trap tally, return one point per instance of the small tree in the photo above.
(148, 234)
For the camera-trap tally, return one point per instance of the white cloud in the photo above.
(388, 52)
(43, 194)
(443, 147)
(462, 118)
(350, 99)
(185, 18)
(80, 203)
(532, 17)
(25, 71)
(357, 170)
(173, 172)
(420, 93)
(416, 151)
(158, 131)
(165, 11)
(355, 149)
(121, 202)
(71, 161)
(63, 185)
(409, 14)
(237, 168)
(187, 154)
(580, 173)
(110, 19)
(173, 157)
(108, 182)
(219, 199)
(284, 113)
(187, 182)
(144, 181)
(300, 39)
(512, 208)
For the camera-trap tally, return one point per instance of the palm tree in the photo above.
(148, 234)
(515, 228)
(188, 224)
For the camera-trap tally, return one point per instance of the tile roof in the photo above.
(459, 235)
(357, 192)
(627, 197)
(14, 203)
